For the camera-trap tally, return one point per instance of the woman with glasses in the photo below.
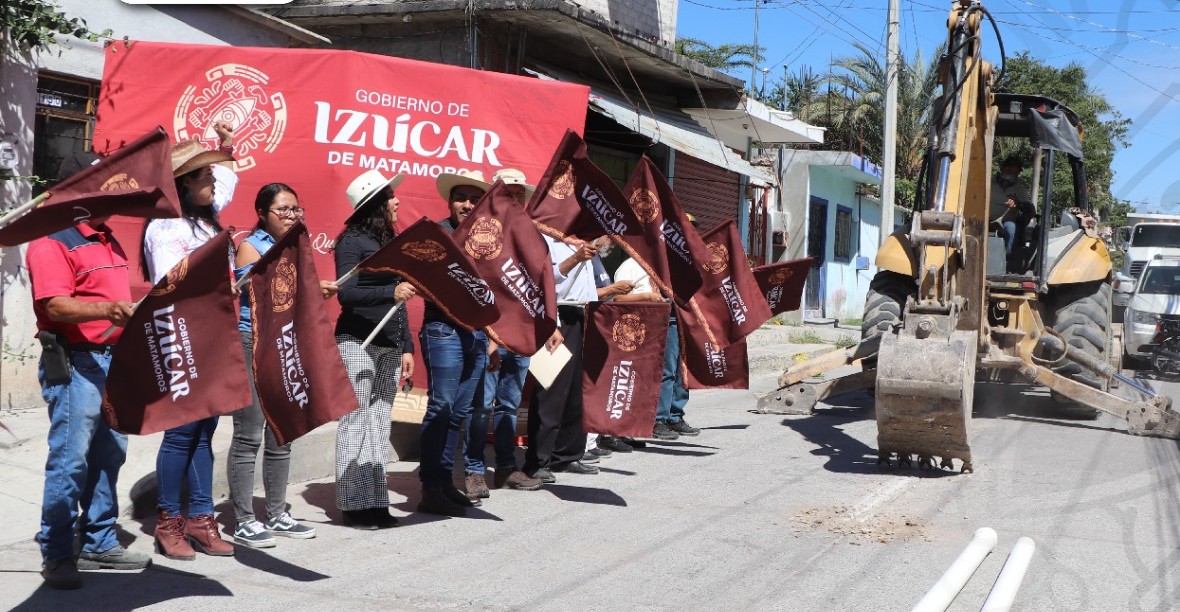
(278, 209)
(455, 360)
(362, 436)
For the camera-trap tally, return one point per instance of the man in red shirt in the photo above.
(80, 287)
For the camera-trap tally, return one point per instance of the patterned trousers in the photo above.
(362, 437)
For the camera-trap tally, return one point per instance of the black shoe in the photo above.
(614, 444)
(683, 428)
(577, 467)
(360, 519)
(544, 475)
(663, 432)
(600, 452)
(382, 518)
(435, 501)
(62, 574)
(589, 457)
(633, 443)
(458, 497)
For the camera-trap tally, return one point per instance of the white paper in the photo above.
(545, 366)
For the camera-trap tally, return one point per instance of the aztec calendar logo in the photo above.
(780, 276)
(484, 241)
(172, 279)
(646, 204)
(564, 178)
(718, 258)
(283, 286)
(238, 95)
(119, 182)
(426, 250)
(628, 332)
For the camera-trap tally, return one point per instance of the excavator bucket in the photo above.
(924, 396)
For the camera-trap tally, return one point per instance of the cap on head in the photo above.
(190, 155)
(447, 181)
(512, 176)
(362, 188)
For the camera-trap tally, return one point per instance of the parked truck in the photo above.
(1146, 237)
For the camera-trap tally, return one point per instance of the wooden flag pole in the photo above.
(384, 320)
(20, 211)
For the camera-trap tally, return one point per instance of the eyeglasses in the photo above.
(408, 386)
(287, 213)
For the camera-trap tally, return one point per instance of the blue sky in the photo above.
(1130, 49)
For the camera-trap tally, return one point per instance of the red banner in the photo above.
(782, 283)
(508, 251)
(427, 257)
(135, 180)
(317, 118)
(623, 363)
(729, 301)
(709, 367)
(669, 243)
(180, 359)
(300, 378)
(576, 198)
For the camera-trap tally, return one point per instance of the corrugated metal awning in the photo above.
(678, 132)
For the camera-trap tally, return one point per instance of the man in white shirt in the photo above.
(556, 439)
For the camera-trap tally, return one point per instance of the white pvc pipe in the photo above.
(940, 596)
(1004, 590)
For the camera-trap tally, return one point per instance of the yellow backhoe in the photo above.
(948, 305)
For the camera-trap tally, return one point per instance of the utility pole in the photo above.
(754, 68)
(892, 59)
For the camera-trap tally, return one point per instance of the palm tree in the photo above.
(726, 57)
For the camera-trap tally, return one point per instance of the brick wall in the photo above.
(652, 19)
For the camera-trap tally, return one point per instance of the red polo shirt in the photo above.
(82, 263)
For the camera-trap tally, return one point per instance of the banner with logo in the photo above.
(298, 373)
(509, 252)
(576, 198)
(729, 301)
(623, 364)
(669, 243)
(180, 359)
(318, 118)
(782, 283)
(427, 257)
(135, 180)
(707, 366)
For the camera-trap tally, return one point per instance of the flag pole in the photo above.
(384, 320)
(347, 276)
(20, 211)
(110, 330)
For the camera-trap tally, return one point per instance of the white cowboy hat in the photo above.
(512, 176)
(362, 188)
(447, 181)
(190, 155)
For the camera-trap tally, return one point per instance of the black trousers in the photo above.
(556, 437)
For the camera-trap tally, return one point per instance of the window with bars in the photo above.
(842, 247)
(64, 122)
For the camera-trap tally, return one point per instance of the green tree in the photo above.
(35, 25)
(1105, 128)
(726, 57)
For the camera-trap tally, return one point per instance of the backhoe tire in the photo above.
(1082, 317)
(885, 302)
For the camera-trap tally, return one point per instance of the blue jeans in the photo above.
(186, 452)
(504, 387)
(455, 361)
(673, 393)
(82, 469)
(1009, 236)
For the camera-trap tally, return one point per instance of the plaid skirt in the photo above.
(362, 437)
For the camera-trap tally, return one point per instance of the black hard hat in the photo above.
(74, 163)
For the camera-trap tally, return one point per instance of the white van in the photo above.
(1156, 300)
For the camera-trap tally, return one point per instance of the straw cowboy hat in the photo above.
(362, 189)
(512, 176)
(447, 181)
(190, 155)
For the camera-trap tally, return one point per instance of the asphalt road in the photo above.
(759, 512)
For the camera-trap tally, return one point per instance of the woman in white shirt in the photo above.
(186, 454)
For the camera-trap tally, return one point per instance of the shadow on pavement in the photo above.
(125, 590)
(741, 426)
(674, 452)
(263, 562)
(585, 495)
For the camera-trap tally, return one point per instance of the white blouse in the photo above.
(167, 241)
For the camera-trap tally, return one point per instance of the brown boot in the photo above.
(170, 540)
(203, 535)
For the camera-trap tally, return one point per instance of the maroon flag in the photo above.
(426, 255)
(179, 359)
(300, 379)
(507, 251)
(668, 243)
(576, 198)
(135, 181)
(729, 301)
(623, 363)
(706, 365)
(782, 283)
